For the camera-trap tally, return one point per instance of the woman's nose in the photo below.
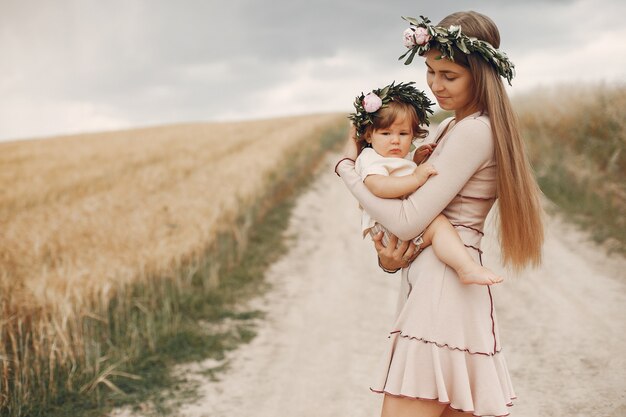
(436, 84)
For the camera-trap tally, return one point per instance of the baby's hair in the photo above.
(386, 116)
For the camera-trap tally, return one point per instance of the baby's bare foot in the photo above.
(478, 274)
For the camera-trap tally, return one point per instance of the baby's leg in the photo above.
(450, 249)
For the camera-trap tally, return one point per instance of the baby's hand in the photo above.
(423, 172)
(423, 152)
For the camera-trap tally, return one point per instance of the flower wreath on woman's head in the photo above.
(421, 36)
(367, 106)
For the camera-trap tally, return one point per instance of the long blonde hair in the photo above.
(520, 211)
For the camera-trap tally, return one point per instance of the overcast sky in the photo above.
(69, 66)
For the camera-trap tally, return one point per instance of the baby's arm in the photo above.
(395, 187)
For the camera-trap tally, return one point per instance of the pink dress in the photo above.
(444, 344)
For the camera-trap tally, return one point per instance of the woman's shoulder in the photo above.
(475, 125)
(476, 119)
(473, 134)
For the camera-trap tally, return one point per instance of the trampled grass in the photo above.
(111, 243)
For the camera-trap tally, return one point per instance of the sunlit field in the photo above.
(85, 219)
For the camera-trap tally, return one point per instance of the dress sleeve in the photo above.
(467, 149)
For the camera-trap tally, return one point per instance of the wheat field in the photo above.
(82, 216)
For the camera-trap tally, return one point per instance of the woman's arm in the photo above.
(468, 148)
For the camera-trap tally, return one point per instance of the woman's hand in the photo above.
(423, 152)
(392, 257)
(350, 150)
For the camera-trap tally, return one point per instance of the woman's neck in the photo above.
(462, 114)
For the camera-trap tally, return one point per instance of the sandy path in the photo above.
(562, 326)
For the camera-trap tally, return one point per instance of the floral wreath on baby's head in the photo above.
(421, 36)
(367, 106)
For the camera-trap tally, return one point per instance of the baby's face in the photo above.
(394, 141)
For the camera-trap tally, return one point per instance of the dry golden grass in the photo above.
(86, 210)
(82, 215)
(577, 143)
(584, 119)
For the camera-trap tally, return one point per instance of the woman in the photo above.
(444, 350)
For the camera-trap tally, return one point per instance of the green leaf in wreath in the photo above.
(411, 20)
(410, 58)
(462, 47)
(404, 54)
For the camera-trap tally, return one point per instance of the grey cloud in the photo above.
(162, 61)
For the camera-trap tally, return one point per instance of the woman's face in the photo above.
(450, 82)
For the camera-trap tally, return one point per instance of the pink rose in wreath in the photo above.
(409, 38)
(372, 103)
(421, 36)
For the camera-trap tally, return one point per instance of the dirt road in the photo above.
(563, 326)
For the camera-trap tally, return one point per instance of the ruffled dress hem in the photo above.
(442, 345)
(466, 381)
(444, 402)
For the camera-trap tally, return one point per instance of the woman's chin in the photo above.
(444, 106)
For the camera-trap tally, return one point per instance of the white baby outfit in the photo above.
(370, 162)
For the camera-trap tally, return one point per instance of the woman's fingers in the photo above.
(352, 131)
(414, 252)
(393, 242)
(406, 251)
(378, 242)
(350, 149)
(400, 250)
(385, 253)
(408, 257)
(395, 255)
